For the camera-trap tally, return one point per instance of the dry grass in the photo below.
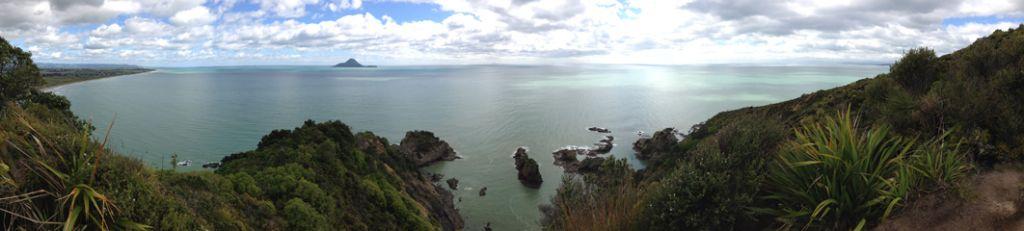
(609, 200)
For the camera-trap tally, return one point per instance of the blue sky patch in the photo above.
(958, 21)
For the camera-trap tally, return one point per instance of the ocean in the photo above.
(485, 112)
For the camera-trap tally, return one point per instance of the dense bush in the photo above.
(303, 180)
(18, 74)
(605, 199)
(916, 70)
(717, 185)
(302, 216)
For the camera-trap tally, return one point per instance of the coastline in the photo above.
(57, 81)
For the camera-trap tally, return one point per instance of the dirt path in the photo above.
(994, 203)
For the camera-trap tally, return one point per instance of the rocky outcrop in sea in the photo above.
(423, 148)
(453, 183)
(529, 171)
(661, 142)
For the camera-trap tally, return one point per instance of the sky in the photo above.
(430, 32)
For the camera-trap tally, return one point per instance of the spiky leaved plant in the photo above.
(63, 167)
(836, 175)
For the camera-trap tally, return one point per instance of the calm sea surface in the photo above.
(485, 112)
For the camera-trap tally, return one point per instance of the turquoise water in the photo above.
(485, 112)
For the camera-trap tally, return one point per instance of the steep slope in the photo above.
(318, 176)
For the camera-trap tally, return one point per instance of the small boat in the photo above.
(185, 163)
(599, 129)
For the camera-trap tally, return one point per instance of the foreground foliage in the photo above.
(603, 200)
(836, 176)
(312, 179)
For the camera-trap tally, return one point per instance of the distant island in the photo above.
(353, 63)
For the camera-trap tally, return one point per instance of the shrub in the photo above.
(245, 184)
(18, 75)
(302, 216)
(940, 163)
(716, 186)
(836, 176)
(889, 102)
(916, 70)
(603, 200)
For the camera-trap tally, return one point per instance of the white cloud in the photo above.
(146, 26)
(194, 17)
(286, 8)
(487, 31)
(167, 8)
(106, 30)
(344, 5)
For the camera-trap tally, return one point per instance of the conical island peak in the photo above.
(351, 62)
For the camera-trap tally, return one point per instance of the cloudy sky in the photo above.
(389, 32)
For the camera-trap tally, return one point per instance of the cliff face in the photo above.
(437, 201)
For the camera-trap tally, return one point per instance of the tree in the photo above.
(916, 70)
(302, 216)
(18, 74)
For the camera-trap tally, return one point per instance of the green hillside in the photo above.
(842, 158)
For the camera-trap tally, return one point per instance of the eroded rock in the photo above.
(603, 146)
(453, 183)
(661, 142)
(423, 148)
(599, 129)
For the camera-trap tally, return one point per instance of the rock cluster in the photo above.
(661, 142)
(603, 146)
(453, 183)
(423, 148)
(529, 171)
(211, 165)
(599, 130)
(566, 157)
(568, 154)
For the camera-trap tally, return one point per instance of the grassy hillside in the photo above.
(312, 178)
(842, 158)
